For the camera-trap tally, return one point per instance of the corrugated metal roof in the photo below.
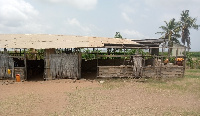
(45, 41)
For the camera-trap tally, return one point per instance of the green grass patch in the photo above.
(193, 71)
(192, 76)
(190, 83)
(113, 83)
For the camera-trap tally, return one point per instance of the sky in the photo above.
(134, 19)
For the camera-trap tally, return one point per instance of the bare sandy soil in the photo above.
(124, 97)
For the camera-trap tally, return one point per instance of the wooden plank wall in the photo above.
(149, 71)
(115, 71)
(65, 66)
(5, 64)
(164, 71)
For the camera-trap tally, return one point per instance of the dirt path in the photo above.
(33, 98)
(113, 97)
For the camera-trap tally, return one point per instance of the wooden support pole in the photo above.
(161, 61)
(176, 56)
(97, 64)
(124, 57)
(185, 59)
(79, 64)
(5, 51)
(25, 65)
(162, 55)
(13, 70)
(47, 74)
(20, 52)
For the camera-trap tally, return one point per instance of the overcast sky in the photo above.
(134, 19)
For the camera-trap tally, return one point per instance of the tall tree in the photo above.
(171, 32)
(187, 23)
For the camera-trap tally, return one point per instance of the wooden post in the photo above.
(161, 61)
(184, 61)
(25, 65)
(124, 57)
(47, 74)
(5, 51)
(13, 69)
(20, 52)
(176, 56)
(97, 63)
(79, 64)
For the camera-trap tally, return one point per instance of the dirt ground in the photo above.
(123, 97)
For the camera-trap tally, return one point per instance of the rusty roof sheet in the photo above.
(45, 41)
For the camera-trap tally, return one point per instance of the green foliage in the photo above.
(171, 31)
(87, 54)
(135, 51)
(39, 54)
(193, 62)
(172, 59)
(118, 35)
(189, 62)
(192, 73)
(187, 23)
(195, 54)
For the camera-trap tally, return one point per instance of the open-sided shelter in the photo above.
(60, 56)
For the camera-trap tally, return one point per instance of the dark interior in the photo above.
(35, 70)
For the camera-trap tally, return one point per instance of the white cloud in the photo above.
(15, 12)
(76, 28)
(127, 8)
(126, 17)
(81, 4)
(132, 34)
(18, 16)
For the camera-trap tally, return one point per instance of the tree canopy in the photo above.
(174, 30)
(118, 35)
(171, 31)
(187, 23)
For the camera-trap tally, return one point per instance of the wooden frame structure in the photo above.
(51, 42)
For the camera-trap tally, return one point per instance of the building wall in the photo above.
(179, 49)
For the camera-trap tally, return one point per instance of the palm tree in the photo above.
(187, 23)
(171, 32)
